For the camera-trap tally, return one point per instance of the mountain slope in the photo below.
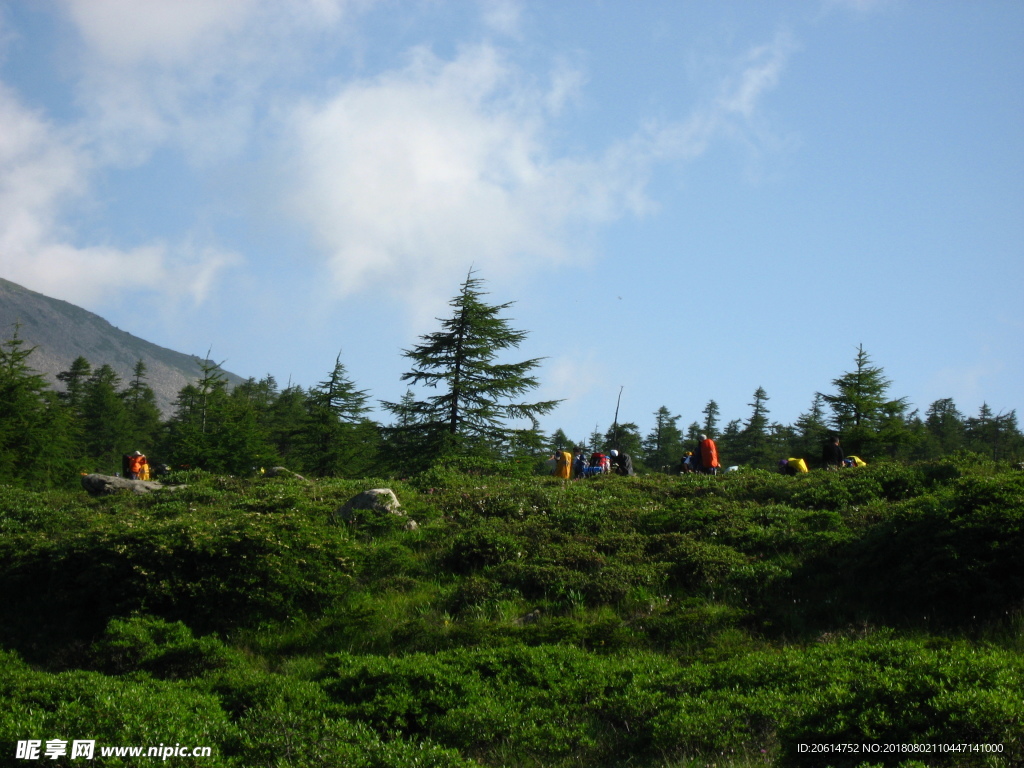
(61, 332)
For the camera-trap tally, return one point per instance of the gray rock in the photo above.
(530, 618)
(377, 499)
(104, 485)
(412, 525)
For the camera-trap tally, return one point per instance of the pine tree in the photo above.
(945, 428)
(811, 430)
(108, 432)
(215, 430)
(476, 395)
(37, 440)
(75, 379)
(559, 441)
(860, 409)
(663, 445)
(994, 435)
(239, 437)
(729, 440)
(54, 447)
(405, 446)
(710, 419)
(752, 443)
(285, 420)
(335, 439)
(143, 412)
(72, 399)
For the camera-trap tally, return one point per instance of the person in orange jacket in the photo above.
(709, 455)
(136, 465)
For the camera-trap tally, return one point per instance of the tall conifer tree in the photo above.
(143, 412)
(37, 433)
(217, 430)
(476, 395)
(336, 438)
(752, 444)
(711, 414)
(663, 445)
(811, 429)
(860, 408)
(108, 430)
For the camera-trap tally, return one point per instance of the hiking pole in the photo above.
(615, 423)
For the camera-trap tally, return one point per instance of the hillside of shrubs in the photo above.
(652, 621)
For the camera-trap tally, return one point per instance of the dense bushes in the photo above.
(880, 690)
(657, 620)
(175, 557)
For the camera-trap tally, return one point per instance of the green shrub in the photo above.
(112, 711)
(214, 573)
(479, 547)
(642, 621)
(953, 559)
(163, 649)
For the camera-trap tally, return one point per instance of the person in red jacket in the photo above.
(709, 455)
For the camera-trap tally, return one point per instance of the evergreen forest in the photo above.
(468, 404)
(501, 616)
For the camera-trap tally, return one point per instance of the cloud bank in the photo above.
(407, 178)
(402, 178)
(411, 176)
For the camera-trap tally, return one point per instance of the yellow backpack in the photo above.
(798, 464)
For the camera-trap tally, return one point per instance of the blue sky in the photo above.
(687, 200)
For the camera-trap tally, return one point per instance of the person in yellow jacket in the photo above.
(563, 465)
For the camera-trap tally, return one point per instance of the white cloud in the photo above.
(403, 179)
(761, 69)
(502, 16)
(734, 111)
(190, 73)
(42, 170)
(164, 32)
(409, 178)
(181, 73)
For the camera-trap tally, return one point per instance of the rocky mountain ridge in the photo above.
(61, 332)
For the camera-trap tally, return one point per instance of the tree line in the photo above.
(468, 404)
(473, 407)
(860, 410)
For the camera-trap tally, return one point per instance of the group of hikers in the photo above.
(618, 462)
(832, 458)
(579, 466)
(134, 466)
(704, 460)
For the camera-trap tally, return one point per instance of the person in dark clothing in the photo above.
(579, 464)
(695, 462)
(686, 463)
(832, 454)
(623, 463)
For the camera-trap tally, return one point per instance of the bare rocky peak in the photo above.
(61, 332)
